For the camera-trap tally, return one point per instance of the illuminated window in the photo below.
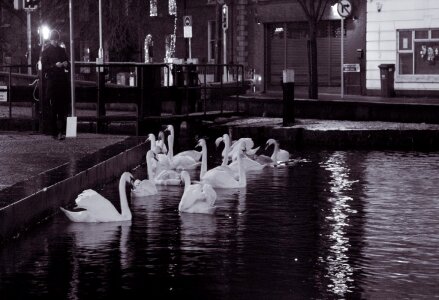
(153, 8)
(172, 7)
(418, 51)
(211, 42)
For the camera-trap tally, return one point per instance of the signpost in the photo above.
(344, 9)
(225, 25)
(187, 31)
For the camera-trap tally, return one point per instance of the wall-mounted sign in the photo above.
(3, 93)
(347, 68)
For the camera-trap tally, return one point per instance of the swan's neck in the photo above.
(171, 145)
(187, 182)
(152, 141)
(275, 152)
(149, 167)
(226, 152)
(203, 161)
(126, 212)
(241, 172)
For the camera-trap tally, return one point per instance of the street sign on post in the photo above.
(344, 8)
(225, 16)
(187, 26)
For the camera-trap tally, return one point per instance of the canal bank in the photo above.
(40, 174)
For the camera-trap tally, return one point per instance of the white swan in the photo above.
(197, 198)
(279, 155)
(248, 148)
(98, 209)
(164, 177)
(161, 142)
(179, 162)
(162, 162)
(219, 177)
(248, 163)
(196, 155)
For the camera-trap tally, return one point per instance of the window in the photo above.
(211, 29)
(172, 7)
(153, 8)
(418, 52)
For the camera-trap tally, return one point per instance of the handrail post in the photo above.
(100, 106)
(10, 92)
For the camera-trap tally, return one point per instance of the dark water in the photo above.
(340, 225)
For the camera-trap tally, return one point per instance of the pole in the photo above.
(72, 59)
(29, 42)
(190, 48)
(101, 49)
(225, 54)
(342, 57)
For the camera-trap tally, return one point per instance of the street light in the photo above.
(44, 32)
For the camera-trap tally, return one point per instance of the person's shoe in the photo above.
(60, 137)
(63, 137)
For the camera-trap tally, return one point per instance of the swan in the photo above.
(219, 177)
(197, 198)
(162, 161)
(249, 144)
(183, 162)
(98, 209)
(279, 155)
(196, 155)
(248, 163)
(164, 177)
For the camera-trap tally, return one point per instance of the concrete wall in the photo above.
(381, 37)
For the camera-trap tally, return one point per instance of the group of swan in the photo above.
(198, 197)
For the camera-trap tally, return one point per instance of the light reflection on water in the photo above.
(339, 225)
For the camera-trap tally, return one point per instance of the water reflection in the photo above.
(339, 268)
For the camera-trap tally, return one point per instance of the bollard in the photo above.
(288, 97)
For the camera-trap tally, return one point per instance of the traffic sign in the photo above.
(187, 26)
(344, 8)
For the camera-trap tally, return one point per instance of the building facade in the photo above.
(404, 33)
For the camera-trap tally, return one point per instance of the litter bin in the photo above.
(387, 72)
(288, 97)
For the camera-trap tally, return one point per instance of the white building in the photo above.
(404, 33)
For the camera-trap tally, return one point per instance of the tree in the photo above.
(314, 10)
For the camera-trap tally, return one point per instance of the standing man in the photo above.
(55, 69)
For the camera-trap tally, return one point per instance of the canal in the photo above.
(331, 225)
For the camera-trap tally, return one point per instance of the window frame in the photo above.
(414, 78)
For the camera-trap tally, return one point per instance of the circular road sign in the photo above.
(344, 8)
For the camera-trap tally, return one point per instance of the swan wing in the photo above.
(283, 155)
(198, 198)
(78, 216)
(184, 163)
(195, 155)
(248, 163)
(99, 208)
(253, 151)
(264, 160)
(168, 177)
(220, 179)
(144, 188)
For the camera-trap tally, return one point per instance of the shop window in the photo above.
(418, 52)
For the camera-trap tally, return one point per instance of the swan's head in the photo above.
(151, 137)
(201, 143)
(128, 178)
(270, 142)
(161, 135)
(170, 128)
(218, 141)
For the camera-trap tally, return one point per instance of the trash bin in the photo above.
(387, 72)
(288, 97)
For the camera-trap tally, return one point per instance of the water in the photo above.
(335, 225)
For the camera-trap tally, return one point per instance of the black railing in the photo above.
(156, 90)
